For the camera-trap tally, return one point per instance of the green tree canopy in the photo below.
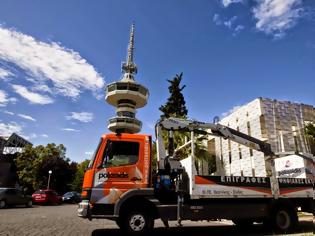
(34, 163)
(310, 130)
(79, 175)
(175, 105)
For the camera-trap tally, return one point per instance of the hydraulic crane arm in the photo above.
(176, 124)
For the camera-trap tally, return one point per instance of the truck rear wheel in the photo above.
(137, 222)
(284, 219)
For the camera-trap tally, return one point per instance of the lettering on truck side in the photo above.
(105, 176)
(237, 179)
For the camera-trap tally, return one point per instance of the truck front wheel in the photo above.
(137, 222)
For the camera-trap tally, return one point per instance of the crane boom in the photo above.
(218, 130)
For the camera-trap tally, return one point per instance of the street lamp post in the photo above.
(49, 172)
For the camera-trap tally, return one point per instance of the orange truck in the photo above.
(121, 185)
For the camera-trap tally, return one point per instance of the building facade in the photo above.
(280, 123)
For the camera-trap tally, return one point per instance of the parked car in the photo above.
(71, 197)
(12, 196)
(46, 196)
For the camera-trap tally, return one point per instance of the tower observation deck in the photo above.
(127, 96)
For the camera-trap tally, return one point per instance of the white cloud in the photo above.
(42, 88)
(32, 97)
(89, 153)
(274, 17)
(8, 112)
(230, 111)
(227, 3)
(238, 29)
(81, 116)
(4, 73)
(216, 19)
(26, 117)
(50, 63)
(44, 135)
(32, 136)
(229, 23)
(9, 128)
(4, 99)
(70, 130)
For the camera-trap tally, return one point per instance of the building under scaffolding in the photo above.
(12, 144)
(9, 148)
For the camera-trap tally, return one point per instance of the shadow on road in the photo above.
(305, 227)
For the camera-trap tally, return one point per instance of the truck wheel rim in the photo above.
(137, 222)
(283, 219)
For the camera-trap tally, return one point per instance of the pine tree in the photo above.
(175, 105)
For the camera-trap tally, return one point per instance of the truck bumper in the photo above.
(83, 209)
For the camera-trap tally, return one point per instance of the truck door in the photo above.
(119, 170)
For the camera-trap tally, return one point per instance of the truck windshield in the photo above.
(94, 155)
(120, 153)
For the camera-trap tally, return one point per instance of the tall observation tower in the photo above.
(126, 95)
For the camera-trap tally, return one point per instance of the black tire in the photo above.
(136, 222)
(284, 219)
(3, 204)
(243, 223)
(29, 204)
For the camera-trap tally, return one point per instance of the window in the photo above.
(248, 128)
(296, 143)
(94, 155)
(230, 157)
(251, 152)
(120, 153)
(126, 113)
(295, 138)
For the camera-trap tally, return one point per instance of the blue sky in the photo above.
(57, 56)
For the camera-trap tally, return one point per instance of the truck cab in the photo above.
(121, 163)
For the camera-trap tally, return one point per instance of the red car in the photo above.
(47, 196)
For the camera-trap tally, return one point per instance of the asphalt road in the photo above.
(62, 220)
